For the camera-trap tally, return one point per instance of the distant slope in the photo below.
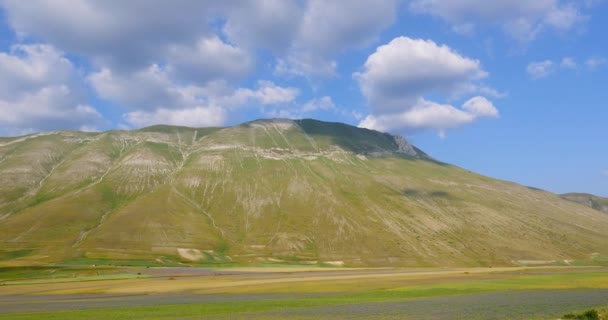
(589, 200)
(270, 191)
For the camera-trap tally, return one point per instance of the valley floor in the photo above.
(300, 293)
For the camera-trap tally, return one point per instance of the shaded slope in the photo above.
(274, 190)
(589, 200)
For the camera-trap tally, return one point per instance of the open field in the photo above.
(301, 293)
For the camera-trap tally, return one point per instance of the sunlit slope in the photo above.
(270, 191)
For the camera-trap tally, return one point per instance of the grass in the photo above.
(324, 292)
(436, 289)
(8, 255)
(121, 263)
(75, 278)
(54, 274)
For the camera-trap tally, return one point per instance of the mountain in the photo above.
(270, 191)
(589, 200)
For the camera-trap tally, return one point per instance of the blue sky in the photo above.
(513, 89)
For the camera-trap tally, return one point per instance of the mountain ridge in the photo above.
(268, 191)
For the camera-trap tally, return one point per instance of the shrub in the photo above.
(587, 315)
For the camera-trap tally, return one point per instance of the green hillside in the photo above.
(272, 191)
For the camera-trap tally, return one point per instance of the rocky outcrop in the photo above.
(403, 146)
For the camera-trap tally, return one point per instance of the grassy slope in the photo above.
(272, 190)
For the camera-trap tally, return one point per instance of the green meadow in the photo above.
(340, 290)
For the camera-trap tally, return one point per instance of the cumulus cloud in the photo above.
(158, 61)
(324, 103)
(39, 91)
(27, 67)
(115, 34)
(154, 86)
(149, 88)
(568, 63)
(194, 117)
(523, 20)
(428, 115)
(154, 97)
(208, 59)
(181, 60)
(398, 73)
(269, 24)
(121, 34)
(480, 107)
(299, 111)
(397, 76)
(305, 64)
(595, 62)
(269, 93)
(540, 69)
(327, 29)
(210, 105)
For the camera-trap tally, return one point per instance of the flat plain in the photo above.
(109, 292)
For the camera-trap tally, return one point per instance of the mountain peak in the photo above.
(326, 135)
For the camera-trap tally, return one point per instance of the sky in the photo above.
(513, 89)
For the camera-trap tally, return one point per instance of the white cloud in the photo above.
(565, 17)
(488, 91)
(356, 115)
(27, 67)
(328, 28)
(194, 117)
(152, 88)
(269, 93)
(605, 172)
(428, 115)
(155, 95)
(209, 59)
(568, 63)
(480, 107)
(540, 69)
(296, 111)
(121, 34)
(39, 91)
(545, 68)
(521, 19)
(269, 24)
(304, 64)
(324, 103)
(130, 35)
(149, 88)
(204, 105)
(595, 62)
(161, 61)
(181, 61)
(398, 73)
